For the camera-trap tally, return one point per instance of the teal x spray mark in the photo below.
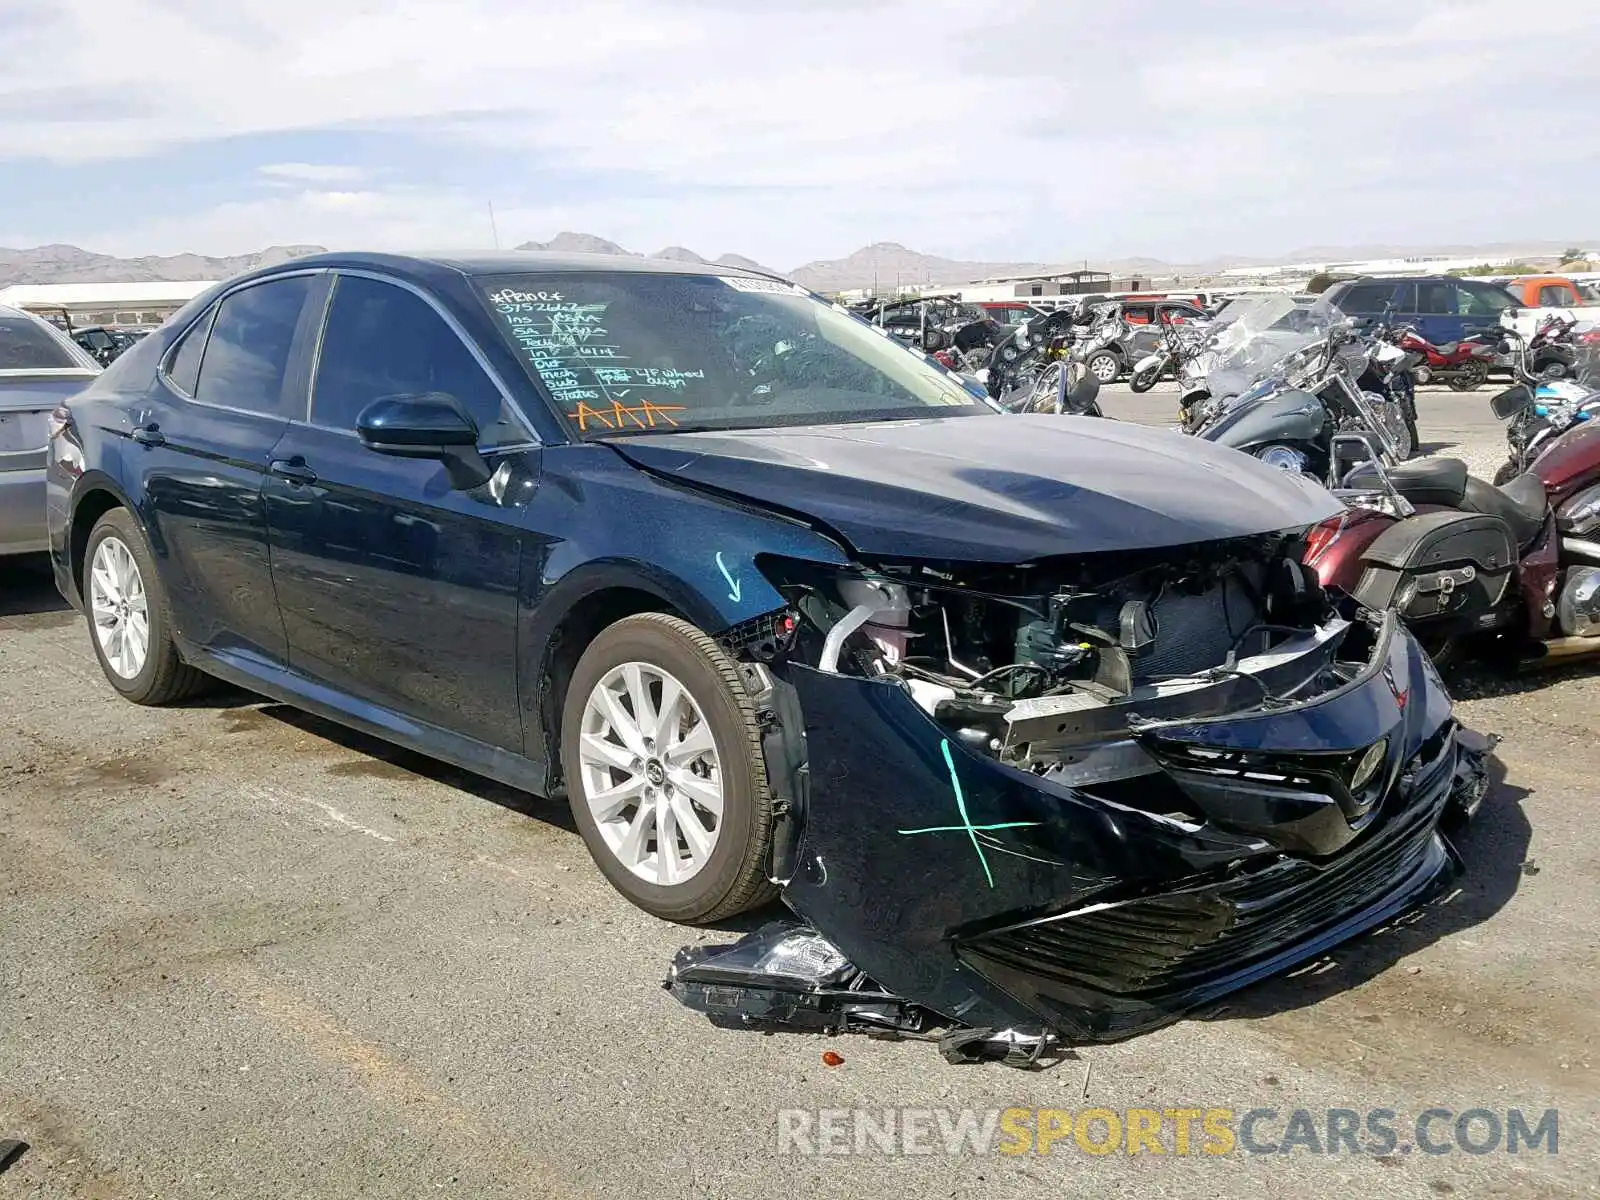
(972, 831)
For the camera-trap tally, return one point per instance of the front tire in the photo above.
(130, 621)
(661, 750)
(1143, 381)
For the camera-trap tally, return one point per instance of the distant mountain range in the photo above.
(883, 264)
(68, 264)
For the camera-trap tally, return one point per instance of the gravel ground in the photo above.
(245, 953)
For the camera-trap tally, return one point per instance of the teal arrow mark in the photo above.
(735, 589)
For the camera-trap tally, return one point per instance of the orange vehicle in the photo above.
(1551, 291)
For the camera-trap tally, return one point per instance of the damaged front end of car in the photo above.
(1075, 798)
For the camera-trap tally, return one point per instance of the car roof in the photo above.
(513, 262)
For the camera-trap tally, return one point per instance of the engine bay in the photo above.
(1023, 662)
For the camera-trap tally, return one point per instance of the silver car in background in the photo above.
(39, 368)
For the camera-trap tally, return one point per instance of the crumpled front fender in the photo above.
(912, 844)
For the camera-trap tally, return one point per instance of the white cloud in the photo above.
(299, 172)
(1039, 129)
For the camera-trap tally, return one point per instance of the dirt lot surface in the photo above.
(245, 953)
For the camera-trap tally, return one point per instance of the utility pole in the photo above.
(494, 230)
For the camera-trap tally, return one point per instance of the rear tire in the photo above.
(156, 674)
(1104, 366)
(1470, 377)
(729, 876)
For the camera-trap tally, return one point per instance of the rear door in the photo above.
(1438, 316)
(1368, 302)
(398, 591)
(203, 438)
(1483, 305)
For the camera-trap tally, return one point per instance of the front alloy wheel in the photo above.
(652, 777)
(661, 752)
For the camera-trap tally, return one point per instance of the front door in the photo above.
(396, 590)
(202, 440)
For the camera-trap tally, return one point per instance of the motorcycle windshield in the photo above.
(1269, 339)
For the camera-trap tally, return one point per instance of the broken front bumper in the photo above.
(995, 897)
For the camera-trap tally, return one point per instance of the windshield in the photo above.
(1252, 339)
(634, 352)
(30, 345)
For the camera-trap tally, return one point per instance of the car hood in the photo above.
(993, 488)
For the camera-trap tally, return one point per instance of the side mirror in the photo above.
(1511, 401)
(430, 425)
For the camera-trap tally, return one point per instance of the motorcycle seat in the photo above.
(1446, 349)
(1441, 481)
(1521, 504)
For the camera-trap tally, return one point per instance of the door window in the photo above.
(1437, 298)
(1364, 298)
(247, 355)
(1483, 300)
(383, 340)
(1555, 295)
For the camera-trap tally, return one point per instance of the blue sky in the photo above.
(793, 130)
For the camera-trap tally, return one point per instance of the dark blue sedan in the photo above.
(778, 603)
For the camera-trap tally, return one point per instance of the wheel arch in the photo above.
(568, 619)
(95, 495)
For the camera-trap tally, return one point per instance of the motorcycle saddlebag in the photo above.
(1439, 564)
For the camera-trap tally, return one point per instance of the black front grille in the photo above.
(1157, 945)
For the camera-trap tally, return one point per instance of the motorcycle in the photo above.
(961, 336)
(1292, 419)
(1464, 365)
(1551, 352)
(1243, 341)
(1063, 387)
(1178, 345)
(1538, 412)
(1516, 566)
(1031, 369)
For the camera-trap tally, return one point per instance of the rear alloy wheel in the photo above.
(1470, 377)
(661, 750)
(1104, 366)
(129, 617)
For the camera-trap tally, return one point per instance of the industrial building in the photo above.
(79, 304)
